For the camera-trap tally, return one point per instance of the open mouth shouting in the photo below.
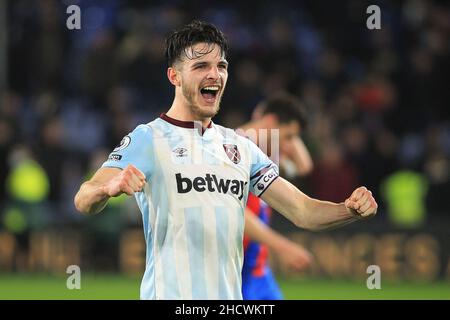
(210, 93)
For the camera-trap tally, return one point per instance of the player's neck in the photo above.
(181, 112)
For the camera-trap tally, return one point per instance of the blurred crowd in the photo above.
(377, 100)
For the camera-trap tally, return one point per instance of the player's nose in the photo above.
(213, 73)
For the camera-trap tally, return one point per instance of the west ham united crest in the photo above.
(232, 152)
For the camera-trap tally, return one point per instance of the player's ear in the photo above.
(173, 76)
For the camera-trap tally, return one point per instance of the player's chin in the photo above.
(209, 110)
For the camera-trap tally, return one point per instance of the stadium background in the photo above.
(378, 102)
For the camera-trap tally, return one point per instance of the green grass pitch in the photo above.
(109, 286)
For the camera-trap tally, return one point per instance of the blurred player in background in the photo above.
(191, 180)
(284, 112)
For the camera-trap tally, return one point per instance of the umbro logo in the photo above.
(180, 152)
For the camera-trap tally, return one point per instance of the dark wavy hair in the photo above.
(195, 32)
(287, 107)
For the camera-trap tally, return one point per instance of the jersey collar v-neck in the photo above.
(184, 124)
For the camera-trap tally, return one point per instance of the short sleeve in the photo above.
(136, 148)
(262, 172)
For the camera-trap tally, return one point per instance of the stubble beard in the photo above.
(199, 112)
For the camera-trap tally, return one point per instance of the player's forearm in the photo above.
(91, 198)
(320, 215)
(304, 211)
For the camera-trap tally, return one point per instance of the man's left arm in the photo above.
(313, 214)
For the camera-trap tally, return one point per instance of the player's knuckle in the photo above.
(123, 184)
(127, 174)
(127, 180)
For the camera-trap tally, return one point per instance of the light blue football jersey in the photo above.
(193, 205)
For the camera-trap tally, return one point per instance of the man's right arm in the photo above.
(106, 183)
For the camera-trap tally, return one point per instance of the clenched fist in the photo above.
(129, 181)
(362, 203)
